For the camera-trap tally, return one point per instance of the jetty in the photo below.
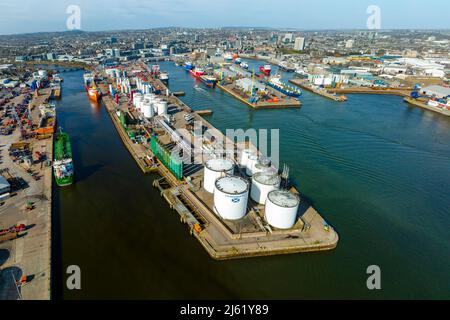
(181, 185)
(421, 103)
(320, 91)
(403, 92)
(275, 102)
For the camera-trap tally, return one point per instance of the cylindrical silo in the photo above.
(147, 109)
(252, 160)
(246, 153)
(214, 169)
(262, 184)
(264, 162)
(162, 107)
(281, 209)
(258, 167)
(230, 197)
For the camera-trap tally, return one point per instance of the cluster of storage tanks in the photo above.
(149, 104)
(231, 192)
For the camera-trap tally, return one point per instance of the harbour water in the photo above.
(376, 168)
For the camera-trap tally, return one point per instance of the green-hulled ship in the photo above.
(63, 164)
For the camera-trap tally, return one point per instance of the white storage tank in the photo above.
(246, 153)
(262, 184)
(252, 160)
(264, 162)
(215, 169)
(147, 110)
(257, 167)
(230, 197)
(162, 107)
(281, 209)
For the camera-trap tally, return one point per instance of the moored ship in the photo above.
(89, 84)
(266, 69)
(210, 81)
(277, 84)
(188, 66)
(63, 165)
(197, 72)
(93, 93)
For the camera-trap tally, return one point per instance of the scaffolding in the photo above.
(169, 160)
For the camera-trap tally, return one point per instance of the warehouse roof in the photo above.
(3, 183)
(439, 90)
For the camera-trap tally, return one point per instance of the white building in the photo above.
(435, 90)
(349, 43)
(299, 44)
(288, 37)
(248, 84)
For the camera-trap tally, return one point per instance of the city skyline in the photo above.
(322, 15)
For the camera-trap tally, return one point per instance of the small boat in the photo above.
(228, 56)
(244, 65)
(238, 61)
(164, 77)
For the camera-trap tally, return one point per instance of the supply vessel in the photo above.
(63, 165)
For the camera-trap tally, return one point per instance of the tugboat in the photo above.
(63, 165)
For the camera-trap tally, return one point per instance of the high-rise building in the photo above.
(116, 53)
(288, 37)
(299, 44)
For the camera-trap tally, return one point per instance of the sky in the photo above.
(50, 15)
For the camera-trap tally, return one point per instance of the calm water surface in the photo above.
(376, 168)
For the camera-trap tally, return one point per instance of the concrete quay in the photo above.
(29, 255)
